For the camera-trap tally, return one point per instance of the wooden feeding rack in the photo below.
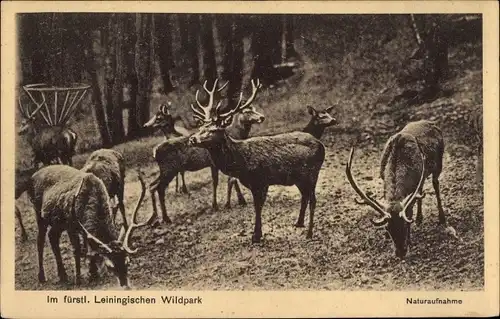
(54, 104)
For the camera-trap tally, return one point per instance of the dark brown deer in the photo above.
(109, 166)
(22, 181)
(49, 143)
(175, 155)
(409, 157)
(284, 159)
(67, 199)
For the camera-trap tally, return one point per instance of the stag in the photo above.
(49, 143)
(22, 181)
(67, 199)
(409, 157)
(175, 155)
(284, 159)
(109, 166)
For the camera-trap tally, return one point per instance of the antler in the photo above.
(134, 223)
(367, 200)
(415, 195)
(201, 112)
(256, 85)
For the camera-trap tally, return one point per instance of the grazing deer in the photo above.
(49, 143)
(409, 157)
(284, 159)
(22, 181)
(109, 166)
(67, 199)
(175, 154)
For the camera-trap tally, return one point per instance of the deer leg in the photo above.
(419, 208)
(305, 198)
(161, 190)
(229, 191)
(54, 236)
(259, 198)
(24, 235)
(75, 241)
(312, 207)
(215, 182)
(435, 184)
(241, 199)
(153, 189)
(177, 183)
(184, 187)
(42, 231)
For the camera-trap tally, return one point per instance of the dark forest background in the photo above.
(135, 61)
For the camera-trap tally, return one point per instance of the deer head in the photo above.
(394, 215)
(322, 118)
(212, 120)
(116, 253)
(162, 118)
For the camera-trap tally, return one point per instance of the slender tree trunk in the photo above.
(116, 120)
(262, 51)
(289, 37)
(192, 47)
(131, 75)
(91, 67)
(144, 64)
(184, 29)
(208, 51)
(236, 75)
(225, 33)
(275, 36)
(166, 61)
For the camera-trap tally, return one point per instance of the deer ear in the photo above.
(329, 109)
(311, 110)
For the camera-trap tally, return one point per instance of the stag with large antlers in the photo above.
(67, 199)
(175, 155)
(409, 157)
(258, 162)
(49, 143)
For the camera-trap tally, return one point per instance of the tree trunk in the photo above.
(262, 50)
(236, 75)
(225, 33)
(166, 61)
(183, 30)
(91, 67)
(131, 75)
(290, 52)
(115, 121)
(144, 63)
(208, 51)
(192, 47)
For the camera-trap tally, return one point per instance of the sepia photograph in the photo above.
(188, 151)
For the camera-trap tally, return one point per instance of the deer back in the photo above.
(52, 191)
(401, 164)
(276, 159)
(176, 155)
(109, 166)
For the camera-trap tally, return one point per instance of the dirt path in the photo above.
(213, 250)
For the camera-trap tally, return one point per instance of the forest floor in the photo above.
(206, 250)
